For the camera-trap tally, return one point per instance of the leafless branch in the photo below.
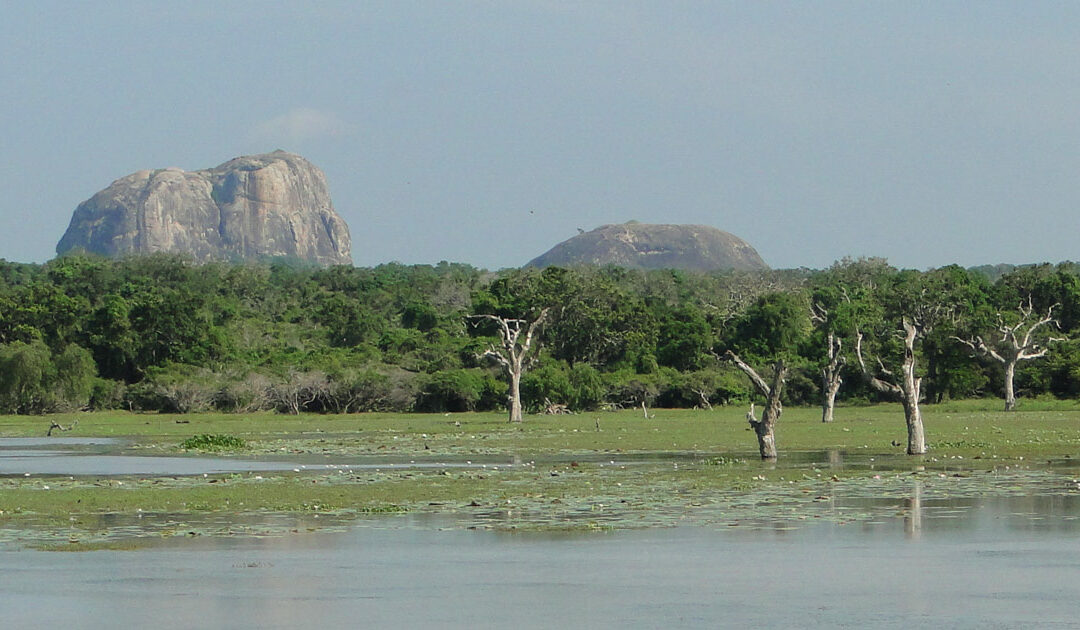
(875, 382)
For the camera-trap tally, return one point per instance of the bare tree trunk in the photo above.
(1010, 391)
(765, 429)
(829, 401)
(916, 444)
(830, 378)
(916, 436)
(907, 390)
(514, 397)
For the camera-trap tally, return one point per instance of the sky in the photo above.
(485, 132)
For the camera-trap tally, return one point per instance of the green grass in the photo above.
(968, 428)
(724, 429)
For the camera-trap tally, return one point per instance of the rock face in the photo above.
(258, 206)
(650, 246)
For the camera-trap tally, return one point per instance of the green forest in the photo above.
(157, 333)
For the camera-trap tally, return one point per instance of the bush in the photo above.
(24, 377)
(374, 390)
(460, 390)
(694, 389)
(33, 380)
(244, 395)
(301, 391)
(546, 382)
(587, 387)
(580, 387)
(419, 315)
(627, 389)
(801, 389)
(106, 394)
(175, 388)
(731, 387)
(75, 374)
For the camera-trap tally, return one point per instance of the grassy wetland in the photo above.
(594, 471)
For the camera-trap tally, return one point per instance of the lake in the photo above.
(999, 562)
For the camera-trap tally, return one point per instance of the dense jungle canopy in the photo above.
(160, 333)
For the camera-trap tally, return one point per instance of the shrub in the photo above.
(626, 389)
(301, 391)
(419, 315)
(175, 388)
(546, 382)
(24, 375)
(459, 390)
(75, 374)
(244, 395)
(106, 394)
(33, 380)
(388, 389)
(580, 387)
(587, 387)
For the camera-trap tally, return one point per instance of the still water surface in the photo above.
(999, 563)
(916, 558)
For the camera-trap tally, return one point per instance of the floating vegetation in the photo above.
(723, 461)
(591, 500)
(212, 442)
(475, 471)
(943, 444)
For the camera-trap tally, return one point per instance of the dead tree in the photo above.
(1018, 342)
(704, 396)
(831, 370)
(830, 377)
(513, 354)
(54, 425)
(555, 409)
(766, 427)
(905, 388)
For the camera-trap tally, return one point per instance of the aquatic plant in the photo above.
(212, 442)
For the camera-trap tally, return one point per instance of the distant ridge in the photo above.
(654, 246)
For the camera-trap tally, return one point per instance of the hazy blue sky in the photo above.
(926, 132)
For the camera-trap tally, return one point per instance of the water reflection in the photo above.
(101, 457)
(59, 441)
(413, 574)
(111, 457)
(913, 514)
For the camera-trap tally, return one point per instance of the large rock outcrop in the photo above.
(252, 207)
(652, 246)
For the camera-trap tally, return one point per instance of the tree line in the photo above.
(159, 333)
